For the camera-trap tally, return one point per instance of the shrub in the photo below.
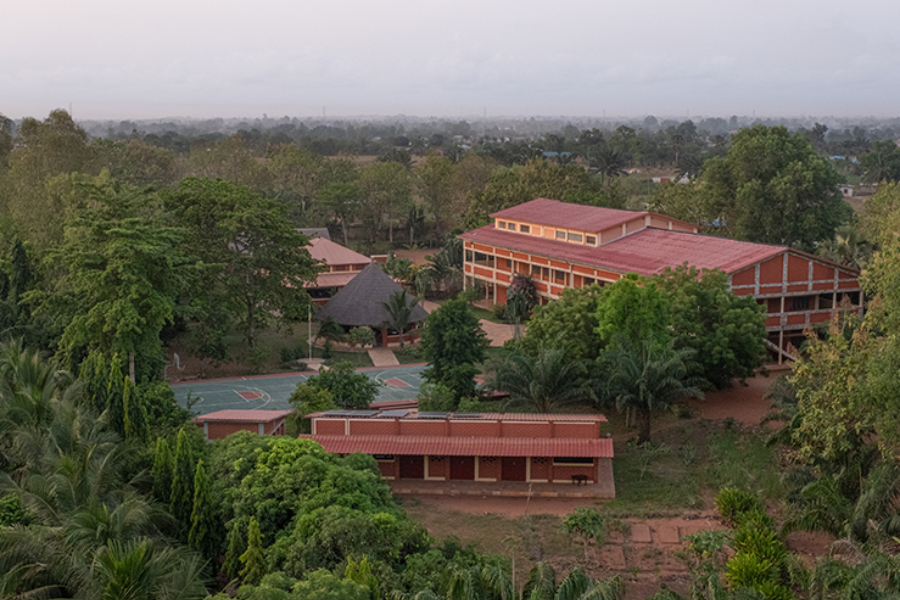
(257, 356)
(436, 397)
(750, 570)
(586, 522)
(499, 310)
(754, 518)
(733, 502)
(762, 542)
(289, 354)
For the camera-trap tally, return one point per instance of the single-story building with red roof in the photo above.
(339, 266)
(222, 423)
(478, 447)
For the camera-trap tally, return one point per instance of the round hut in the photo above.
(364, 301)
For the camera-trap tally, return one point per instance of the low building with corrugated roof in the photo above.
(220, 424)
(508, 452)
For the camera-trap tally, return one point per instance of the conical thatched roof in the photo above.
(360, 301)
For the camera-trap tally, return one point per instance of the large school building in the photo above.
(564, 245)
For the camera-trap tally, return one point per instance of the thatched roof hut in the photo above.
(361, 301)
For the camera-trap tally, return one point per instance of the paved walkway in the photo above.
(383, 357)
(497, 333)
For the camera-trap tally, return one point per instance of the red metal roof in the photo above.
(414, 415)
(647, 251)
(567, 214)
(335, 254)
(572, 216)
(338, 279)
(245, 416)
(462, 446)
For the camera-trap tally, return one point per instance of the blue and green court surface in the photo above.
(272, 391)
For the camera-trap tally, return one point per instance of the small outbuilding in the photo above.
(220, 424)
(361, 303)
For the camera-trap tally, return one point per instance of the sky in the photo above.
(141, 59)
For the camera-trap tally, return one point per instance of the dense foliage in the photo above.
(453, 343)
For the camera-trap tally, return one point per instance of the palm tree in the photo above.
(329, 329)
(608, 163)
(849, 247)
(872, 575)
(576, 585)
(400, 309)
(647, 377)
(544, 382)
(91, 534)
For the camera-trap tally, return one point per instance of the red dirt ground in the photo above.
(744, 404)
(644, 565)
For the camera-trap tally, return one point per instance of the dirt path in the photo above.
(744, 404)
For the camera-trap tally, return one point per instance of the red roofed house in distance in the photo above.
(501, 454)
(340, 266)
(571, 245)
(220, 424)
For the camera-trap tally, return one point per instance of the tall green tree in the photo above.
(633, 308)
(774, 188)
(569, 322)
(726, 333)
(386, 191)
(341, 199)
(181, 501)
(435, 188)
(162, 472)
(453, 343)
(202, 536)
(43, 151)
(123, 267)
(253, 559)
(256, 262)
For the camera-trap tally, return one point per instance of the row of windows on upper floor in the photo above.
(561, 234)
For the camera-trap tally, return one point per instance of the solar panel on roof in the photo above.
(351, 413)
(466, 415)
(395, 414)
(433, 415)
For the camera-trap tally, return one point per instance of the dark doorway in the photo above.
(462, 467)
(513, 468)
(412, 467)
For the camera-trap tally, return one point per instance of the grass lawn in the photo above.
(687, 463)
(264, 358)
(487, 315)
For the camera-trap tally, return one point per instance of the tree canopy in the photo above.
(773, 188)
(453, 342)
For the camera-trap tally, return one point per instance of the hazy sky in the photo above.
(201, 58)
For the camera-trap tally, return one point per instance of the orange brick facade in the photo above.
(525, 432)
(796, 289)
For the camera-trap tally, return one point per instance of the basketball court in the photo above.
(272, 391)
